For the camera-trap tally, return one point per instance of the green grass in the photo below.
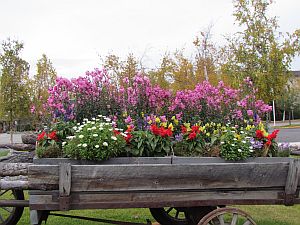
(4, 153)
(288, 126)
(263, 215)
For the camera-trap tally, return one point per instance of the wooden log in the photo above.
(16, 182)
(19, 147)
(13, 169)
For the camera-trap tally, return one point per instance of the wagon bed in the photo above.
(62, 184)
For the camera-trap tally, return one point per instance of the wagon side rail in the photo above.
(65, 186)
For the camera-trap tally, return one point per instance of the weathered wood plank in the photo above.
(64, 179)
(49, 200)
(13, 169)
(15, 182)
(164, 177)
(112, 161)
(292, 182)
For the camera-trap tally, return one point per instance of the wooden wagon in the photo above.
(198, 187)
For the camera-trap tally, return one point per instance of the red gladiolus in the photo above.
(192, 135)
(53, 136)
(128, 137)
(155, 130)
(273, 135)
(41, 136)
(183, 129)
(259, 134)
(195, 129)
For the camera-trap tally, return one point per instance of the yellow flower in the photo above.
(173, 118)
(164, 124)
(237, 136)
(150, 122)
(125, 114)
(216, 131)
(143, 115)
(208, 134)
(248, 127)
(176, 121)
(171, 126)
(187, 125)
(219, 125)
(157, 120)
(202, 128)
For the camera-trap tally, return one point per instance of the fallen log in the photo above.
(19, 147)
(15, 182)
(13, 169)
(29, 138)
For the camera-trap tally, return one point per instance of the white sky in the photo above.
(73, 33)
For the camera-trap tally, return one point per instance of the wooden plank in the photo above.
(292, 182)
(163, 177)
(64, 179)
(191, 160)
(112, 161)
(49, 200)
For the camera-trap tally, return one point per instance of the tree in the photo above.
(257, 51)
(43, 79)
(14, 92)
(164, 74)
(206, 58)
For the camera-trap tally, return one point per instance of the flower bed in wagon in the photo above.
(95, 119)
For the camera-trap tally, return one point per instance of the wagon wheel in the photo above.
(180, 215)
(11, 215)
(227, 216)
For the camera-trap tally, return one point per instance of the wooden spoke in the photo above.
(247, 223)
(234, 219)
(221, 220)
(227, 216)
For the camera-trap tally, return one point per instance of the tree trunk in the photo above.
(290, 122)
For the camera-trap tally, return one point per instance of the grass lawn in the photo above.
(4, 153)
(263, 215)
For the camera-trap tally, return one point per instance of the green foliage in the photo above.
(94, 140)
(257, 51)
(235, 146)
(43, 80)
(145, 143)
(14, 82)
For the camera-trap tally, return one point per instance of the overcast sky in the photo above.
(73, 33)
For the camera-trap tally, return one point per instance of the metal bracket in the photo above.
(64, 203)
(289, 199)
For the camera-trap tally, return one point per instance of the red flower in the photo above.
(53, 136)
(41, 136)
(259, 134)
(192, 135)
(128, 137)
(273, 135)
(116, 132)
(195, 129)
(155, 130)
(183, 129)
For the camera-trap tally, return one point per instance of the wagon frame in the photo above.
(64, 184)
